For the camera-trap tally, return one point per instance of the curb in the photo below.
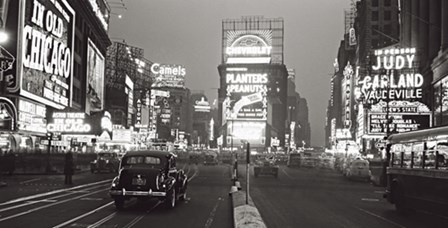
(245, 215)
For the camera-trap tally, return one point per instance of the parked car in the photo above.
(358, 169)
(266, 166)
(105, 161)
(149, 174)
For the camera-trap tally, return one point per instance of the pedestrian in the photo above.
(68, 167)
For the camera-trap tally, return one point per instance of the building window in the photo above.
(387, 15)
(375, 3)
(375, 15)
(387, 2)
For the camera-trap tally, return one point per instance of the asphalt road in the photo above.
(302, 197)
(43, 201)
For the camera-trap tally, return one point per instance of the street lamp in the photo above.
(3, 36)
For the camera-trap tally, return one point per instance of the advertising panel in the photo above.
(32, 117)
(394, 77)
(95, 79)
(48, 52)
(201, 105)
(404, 116)
(68, 122)
(247, 131)
(101, 11)
(168, 75)
(246, 93)
(248, 47)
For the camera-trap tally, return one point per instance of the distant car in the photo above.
(149, 174)
(210, 160)
(358, 169)
(105, 161)
(266, 166)
(294, 160)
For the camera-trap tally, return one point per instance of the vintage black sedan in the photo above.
(149, 174)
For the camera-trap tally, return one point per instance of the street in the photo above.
(305, 197)
(40, 201)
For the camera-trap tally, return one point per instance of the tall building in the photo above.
(253, 82)
(298, 126)
(202, 130)
(121, 74)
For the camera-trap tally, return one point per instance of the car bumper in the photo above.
(123, 192)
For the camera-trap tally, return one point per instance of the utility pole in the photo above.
(247, 171)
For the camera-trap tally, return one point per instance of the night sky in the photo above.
(188, 32)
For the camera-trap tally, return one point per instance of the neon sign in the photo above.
(395, 78)
(69, 122)
(248, 48)
(168, 75)
(157, 68)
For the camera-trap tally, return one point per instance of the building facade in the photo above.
(71, 81)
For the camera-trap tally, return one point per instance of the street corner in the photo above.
(247, 216)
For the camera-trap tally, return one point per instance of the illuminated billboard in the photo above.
(95, 79)
(246, 131)
(394, 77)
(47, 57)
(168, 75)
(246, 47)
(404, 116)
(246, 93)
(68, 122)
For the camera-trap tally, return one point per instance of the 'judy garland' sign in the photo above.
(47, 51)
(395, 78)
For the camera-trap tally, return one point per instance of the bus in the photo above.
(417, 172)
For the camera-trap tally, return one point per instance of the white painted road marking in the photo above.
(380, 217)
(370, 199)
(284, 171)
(28, 181)
(212, 214)
(83, 215)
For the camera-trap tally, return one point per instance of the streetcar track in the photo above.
(21, 199)
(49, 205)
(103, 220)
(83, 215)
(138, 218)
(29, 202)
